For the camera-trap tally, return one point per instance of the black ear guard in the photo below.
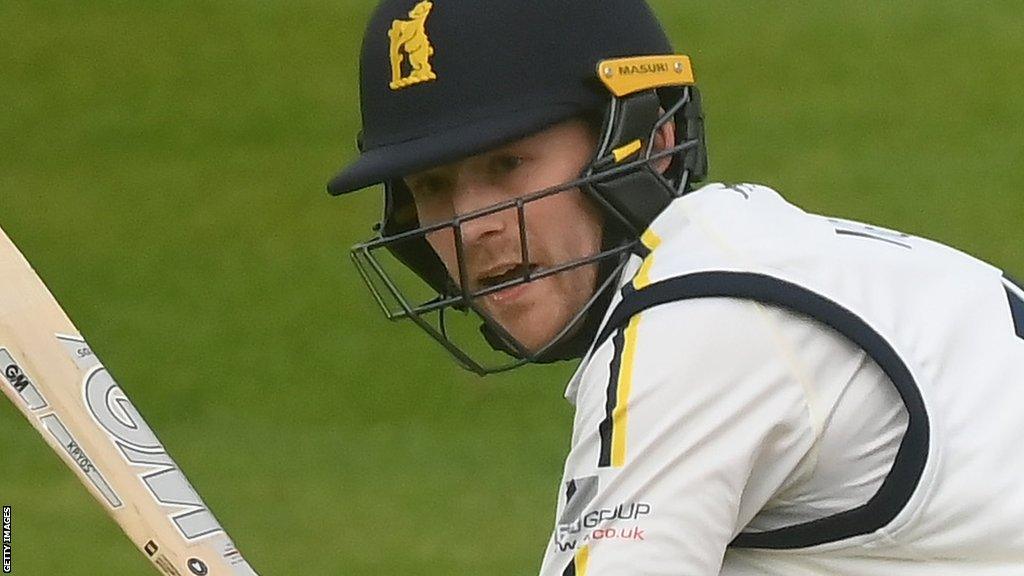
(638, 195)
(690, 127)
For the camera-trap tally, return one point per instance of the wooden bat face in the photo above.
(52, 375)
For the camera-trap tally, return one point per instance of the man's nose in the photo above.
(470, 199)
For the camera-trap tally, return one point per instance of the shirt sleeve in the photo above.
(689, 420)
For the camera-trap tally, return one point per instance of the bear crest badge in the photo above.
(409, 39)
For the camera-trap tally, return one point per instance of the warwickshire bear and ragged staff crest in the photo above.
(409, 38)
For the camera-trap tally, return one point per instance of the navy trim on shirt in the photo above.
(607, 427)
(909, 463)
(1016, 306)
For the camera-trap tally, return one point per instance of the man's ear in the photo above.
(664, 139)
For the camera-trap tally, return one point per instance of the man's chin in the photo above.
(529, 314)
(532, 330)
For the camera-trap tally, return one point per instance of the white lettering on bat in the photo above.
(113, 411)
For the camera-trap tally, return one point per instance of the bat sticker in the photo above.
(116, 415)
(20, 382)
(60, 432)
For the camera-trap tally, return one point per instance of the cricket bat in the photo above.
(52, 375)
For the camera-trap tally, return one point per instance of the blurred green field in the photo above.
(162, 165)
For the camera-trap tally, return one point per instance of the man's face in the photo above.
(560, 228)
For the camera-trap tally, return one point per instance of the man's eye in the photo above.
(427, 186)
(507, 163)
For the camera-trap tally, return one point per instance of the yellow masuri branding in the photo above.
(409, 38)
(625, 76)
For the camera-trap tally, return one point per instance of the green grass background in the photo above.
(162, 164)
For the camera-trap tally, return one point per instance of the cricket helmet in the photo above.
(443, 80)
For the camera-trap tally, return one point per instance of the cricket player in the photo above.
(760, 390)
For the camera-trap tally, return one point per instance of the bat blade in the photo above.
(56, 380)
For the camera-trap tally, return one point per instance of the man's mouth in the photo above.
(506, 275)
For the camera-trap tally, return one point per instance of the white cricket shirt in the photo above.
(781, 393)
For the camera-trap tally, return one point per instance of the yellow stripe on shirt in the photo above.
(614, 428)
(620, 416)
(651, 241)
(582, 559)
